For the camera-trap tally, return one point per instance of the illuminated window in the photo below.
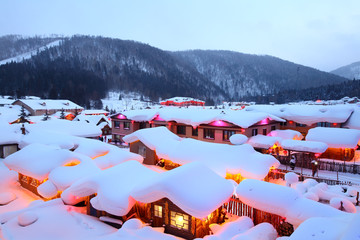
(209, 133)
(227, 134)
(178, 220)
(158, 211)
(34, 182)
(126, 125)
(24, 179)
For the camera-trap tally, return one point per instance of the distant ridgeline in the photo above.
(84, 69)
(329, 92)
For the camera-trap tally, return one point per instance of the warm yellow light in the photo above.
(179, 220)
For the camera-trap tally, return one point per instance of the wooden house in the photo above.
(207, 125)
(35, 162)
(38, 107)
(171, 199)
(159, 146)
(341, 142)
(182, 102)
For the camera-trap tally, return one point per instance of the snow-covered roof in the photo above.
(198, 198)
(74, 128)
(94, 112)
(304, 146)
(95, 119)
(6, 101)
(335, 137)
(181, 99)
(283, 201)
(38, 160)
(265, 142)
(286, 134)
(221, 158)
(10, 113)
(307, 114)
(10, 134)
(114, 187)
(43, 104)
(196, 117)
(354, 120)
(193, 187)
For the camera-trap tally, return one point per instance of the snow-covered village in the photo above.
(179, 120)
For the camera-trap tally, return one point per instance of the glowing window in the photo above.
(34, 182)
(179, 220)
(24, 179)
(158, 211)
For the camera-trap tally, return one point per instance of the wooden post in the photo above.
(357, 199)
(302, 165)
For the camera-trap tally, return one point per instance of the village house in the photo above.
(342, 142)
(182, 102)
(203, 124)
(301, 118)
(98, 119)
(159, 146)
(38, 107)
(185, 201)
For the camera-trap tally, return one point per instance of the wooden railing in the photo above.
(236, 207)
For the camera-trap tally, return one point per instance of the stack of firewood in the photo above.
(285, 229)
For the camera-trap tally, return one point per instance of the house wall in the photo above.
(8, 149)
(29, 183)
(149, 155)
(346, 154)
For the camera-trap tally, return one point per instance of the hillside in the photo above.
(83, 68)
(351, 71)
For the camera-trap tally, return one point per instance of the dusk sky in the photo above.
(324, 34)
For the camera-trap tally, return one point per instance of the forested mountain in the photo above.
(351, 71)
(349, 88)
(242, 75)
(83, 68)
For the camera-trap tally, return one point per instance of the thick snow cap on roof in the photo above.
(335, 137)
(238, 139)
(196, 117)
(261, 141)
(39, 104)
(74, 128)
(41, 136)
(221, 158)
(10, 134)
(193, 187)
(38, 160)
(286, 134)
(354, 120)
(114, 187)
(307, 114)
(283, 201)
(304, 146)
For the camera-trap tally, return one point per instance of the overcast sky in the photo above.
(324, 34)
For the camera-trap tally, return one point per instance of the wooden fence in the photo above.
(236, 207)
(280, 174)
(323, 165)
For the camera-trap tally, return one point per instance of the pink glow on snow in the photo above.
(158, 118)
(219, 123)
(264, 121)
(121, 117)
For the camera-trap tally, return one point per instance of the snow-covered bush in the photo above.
(291, 178)
(27, 218)
(343, 204)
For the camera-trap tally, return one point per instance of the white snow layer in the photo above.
(261, 141)
(286, 134)
(197, 197)
(307, 114)
(304, 146)
(335, 137)
(283, 201)
(221, 158)
(238, 139)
